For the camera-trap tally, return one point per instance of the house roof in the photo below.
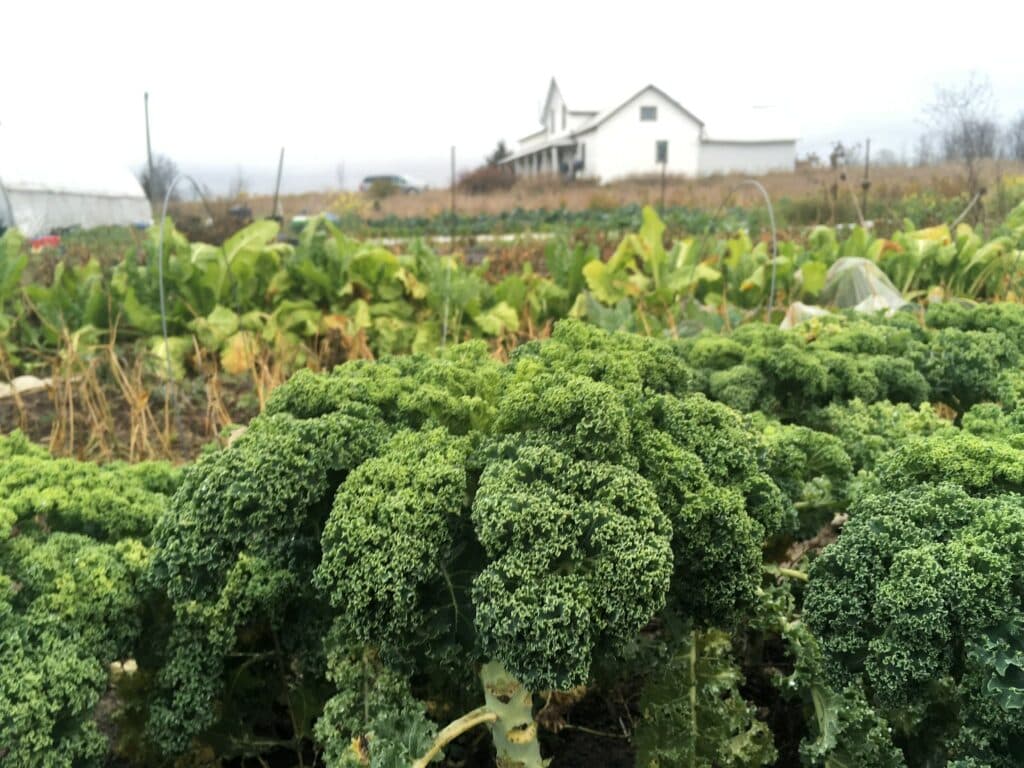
(580, 101)
(604, 116)
(558, 141)
(744, 126)
(750, 126)
(533, 135)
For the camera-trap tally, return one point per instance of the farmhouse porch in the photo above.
(560, 156)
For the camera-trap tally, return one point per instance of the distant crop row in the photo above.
(254, 293)
(243, 316)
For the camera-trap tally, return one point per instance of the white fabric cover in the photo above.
(798, 312)
(42, 194)
(860, 284)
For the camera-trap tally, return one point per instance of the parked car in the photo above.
(398, 182)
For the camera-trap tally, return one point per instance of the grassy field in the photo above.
(821, 195)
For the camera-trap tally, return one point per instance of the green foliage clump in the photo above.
(964, 367)
(981, 466)
(580, 499)
(579, 560)
(235, 559)
(1005, 317)
(72, 566)
(870, 430)
(397, 525)
(694, 714)
(811, 468)
(919, 599)
(786, 374)
(840, 727)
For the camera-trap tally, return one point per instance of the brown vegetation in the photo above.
(887, 183)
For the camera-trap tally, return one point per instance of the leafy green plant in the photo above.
(73, 554)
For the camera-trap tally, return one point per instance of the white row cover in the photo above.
(42, 194)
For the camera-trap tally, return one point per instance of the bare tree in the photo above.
(164, 171)
(500, 153)
(964, 123)
(924, 154)
(1015, 138)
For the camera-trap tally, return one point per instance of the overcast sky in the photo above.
(388, 86)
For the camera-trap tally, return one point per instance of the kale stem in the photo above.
(453, 730)
(793, 573)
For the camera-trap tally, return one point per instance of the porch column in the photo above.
(554, 160)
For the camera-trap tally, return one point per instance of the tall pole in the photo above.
(661, 156)
(149, 152)
(452, 232)
(277, 185)
(663, 189)
(865, 185)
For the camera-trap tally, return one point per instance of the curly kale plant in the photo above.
(72, 559)
(243, 668)
(920, 599)
(527, 543)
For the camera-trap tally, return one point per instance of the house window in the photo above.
(564, 110)
(661, 152)
(648, 114)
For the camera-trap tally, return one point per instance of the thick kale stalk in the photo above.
(508, 712)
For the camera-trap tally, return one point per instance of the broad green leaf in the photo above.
(139, 316)
(814, 273)
(13, 261)
(694, 715)
(497, 320)
(705, 273)
(756, 280)
(251, 238)
(214, 329)
(359, 311)
(176, 349)
(603, 282)
(240, 352)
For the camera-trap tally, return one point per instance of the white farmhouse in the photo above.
(634, 136)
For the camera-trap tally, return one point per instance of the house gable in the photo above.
(554, 96)
(603, 117)
(555, 114)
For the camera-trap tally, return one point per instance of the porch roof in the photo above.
(561, 141)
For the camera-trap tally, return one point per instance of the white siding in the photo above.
(746, 157)
(624, 145)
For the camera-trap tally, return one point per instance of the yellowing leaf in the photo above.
(606, 286)
(334, 323)
(239, 353)
(498, 319)
(938, 234)
(413, 287)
